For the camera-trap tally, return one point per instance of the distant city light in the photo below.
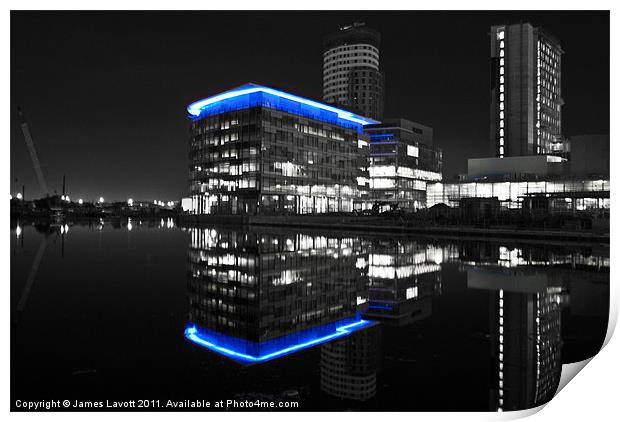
(18, 231)
(62, 197)
(80, 201)
(67, 198)
(19, 195)
(129, 225)
(101, 199)
(155, 201)
(130, 203)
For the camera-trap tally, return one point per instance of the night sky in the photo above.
(105, 93)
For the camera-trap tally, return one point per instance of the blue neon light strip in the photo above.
(193, 334)
(199, 107)
(383, 138)
(380, 306)
(381, 135)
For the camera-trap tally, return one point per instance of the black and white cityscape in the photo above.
(306, 211)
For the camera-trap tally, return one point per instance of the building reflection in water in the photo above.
(525, 302)
(525, 334)
(349, 366)
(258, 296)
(403, 276)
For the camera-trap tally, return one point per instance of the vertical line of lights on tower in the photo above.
(500, 37)
(538, 98)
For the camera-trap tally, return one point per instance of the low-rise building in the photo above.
(402, 161)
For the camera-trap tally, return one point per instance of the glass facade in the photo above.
(402, 162)
(260, 153)
(569, 194)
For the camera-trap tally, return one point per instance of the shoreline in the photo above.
(357, 224)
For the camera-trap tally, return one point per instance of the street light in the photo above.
(130, 202)
(19, 195)
(101, 199)
(80, 201)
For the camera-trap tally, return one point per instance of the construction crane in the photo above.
(33, 152)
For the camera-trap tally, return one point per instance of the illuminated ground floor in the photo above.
(550, 195)
(567, 195)
(272, 204)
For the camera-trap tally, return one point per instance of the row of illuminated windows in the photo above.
(352, 90)
(218, 139)
(226, 153)
(355, 78)
(354, 47)
(332, 57)
(215, 124)
(364, 72)
(358, 76)
(230, 185)
(340, 65)
(231, 169)
(335, 88)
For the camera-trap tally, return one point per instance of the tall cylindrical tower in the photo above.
(351, 75)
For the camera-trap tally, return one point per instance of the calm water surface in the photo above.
(148, 310)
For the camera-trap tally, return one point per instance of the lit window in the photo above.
(500, 35)
(412, 151)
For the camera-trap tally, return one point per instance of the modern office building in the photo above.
(351, 75)
(402, 161)
(257, 296)
(526, 94)
(257, 150)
